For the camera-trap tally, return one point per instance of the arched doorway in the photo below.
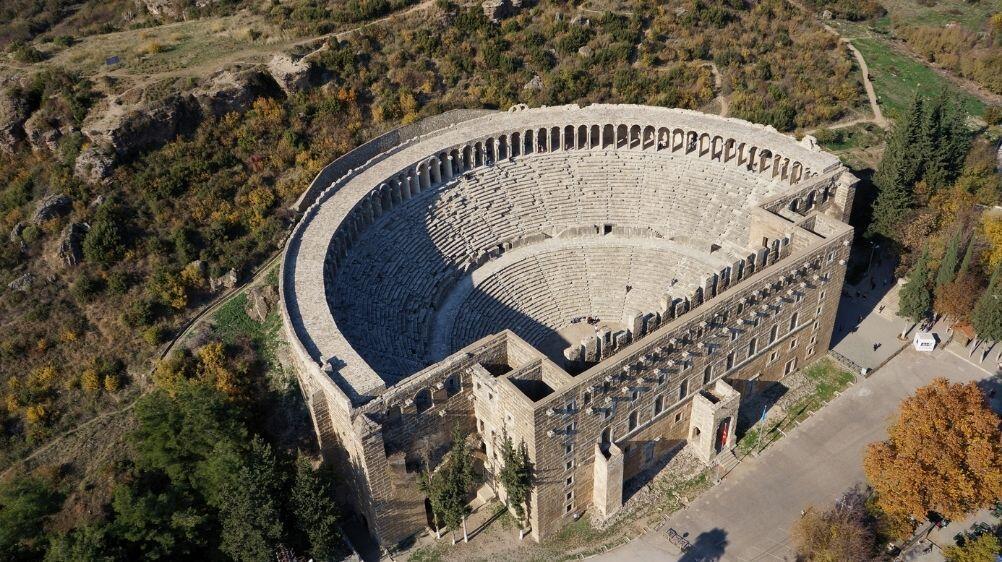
(723, 431)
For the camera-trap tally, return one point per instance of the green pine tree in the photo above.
(948, 266)
(987, 316)
(517, 478)
(314, 509)
(898, 171)
(965, 264)
(458, 481)
(915, 299)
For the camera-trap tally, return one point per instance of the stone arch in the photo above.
(435, 170)
(527, 142)
(812, 199)
(422, 400)
(516, 144)
(650, 137)
(717, 148)
(797, 172)
(466, 158)
(423, 176)
(595, 140)
(491, 150)
(555, 137)
(664, 138)
(502, 147)
(570, 142)
(635, 137)
(795, 205)
(622, 136)
(608, 136)
(691, 141)
(704, 144)
(729, 149)
(678, 140)
(582, 136)
(764, 157)
(542, 140)
(478, 154)
(785, 168)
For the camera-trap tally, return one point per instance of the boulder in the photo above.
(261, 301)
(291, 75)
(497, 10)
(51, 207)
(226, 281)
(585, 51)
(536, 84)
(22, 283)
(71, 243)
(15, 233)
(93, 165)
(232, 91)
(14, 111)
(16, 236)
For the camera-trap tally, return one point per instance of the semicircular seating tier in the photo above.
(526, 230)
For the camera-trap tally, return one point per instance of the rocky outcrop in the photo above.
(232, 90)
(14, 111)
(44, 132)
(226, 281)
(291, 75)
(126, 129)
(261, 301)
(51, 207)
(70, 249)
(496, 10)
(22, 283)
(93, 165)
(535, 85)
(16, 236)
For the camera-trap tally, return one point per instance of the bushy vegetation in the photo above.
(972, 54)
(853, 10)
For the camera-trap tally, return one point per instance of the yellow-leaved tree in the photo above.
(944, 454)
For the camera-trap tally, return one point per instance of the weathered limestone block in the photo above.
(13, 113)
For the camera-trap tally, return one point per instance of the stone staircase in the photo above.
(726, 461)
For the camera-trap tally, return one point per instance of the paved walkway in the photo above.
(749, 515)
(867, 316)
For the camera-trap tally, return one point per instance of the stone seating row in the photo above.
(384, 292)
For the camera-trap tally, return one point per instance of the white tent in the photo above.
(924, 341)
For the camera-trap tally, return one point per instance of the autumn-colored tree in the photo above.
(981, 549)
(991, 227)
(944, 453)
(843, 533)
(957, 298)
(213, 368)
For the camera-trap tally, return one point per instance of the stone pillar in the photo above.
(607, 491)
(713, 421)
(841, 207)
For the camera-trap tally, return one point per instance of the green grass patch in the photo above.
(231, 324)
(896, 78)
(971, 15)
(826, 379)
(430, 553)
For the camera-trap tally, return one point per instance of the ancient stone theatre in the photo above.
(605, 284)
